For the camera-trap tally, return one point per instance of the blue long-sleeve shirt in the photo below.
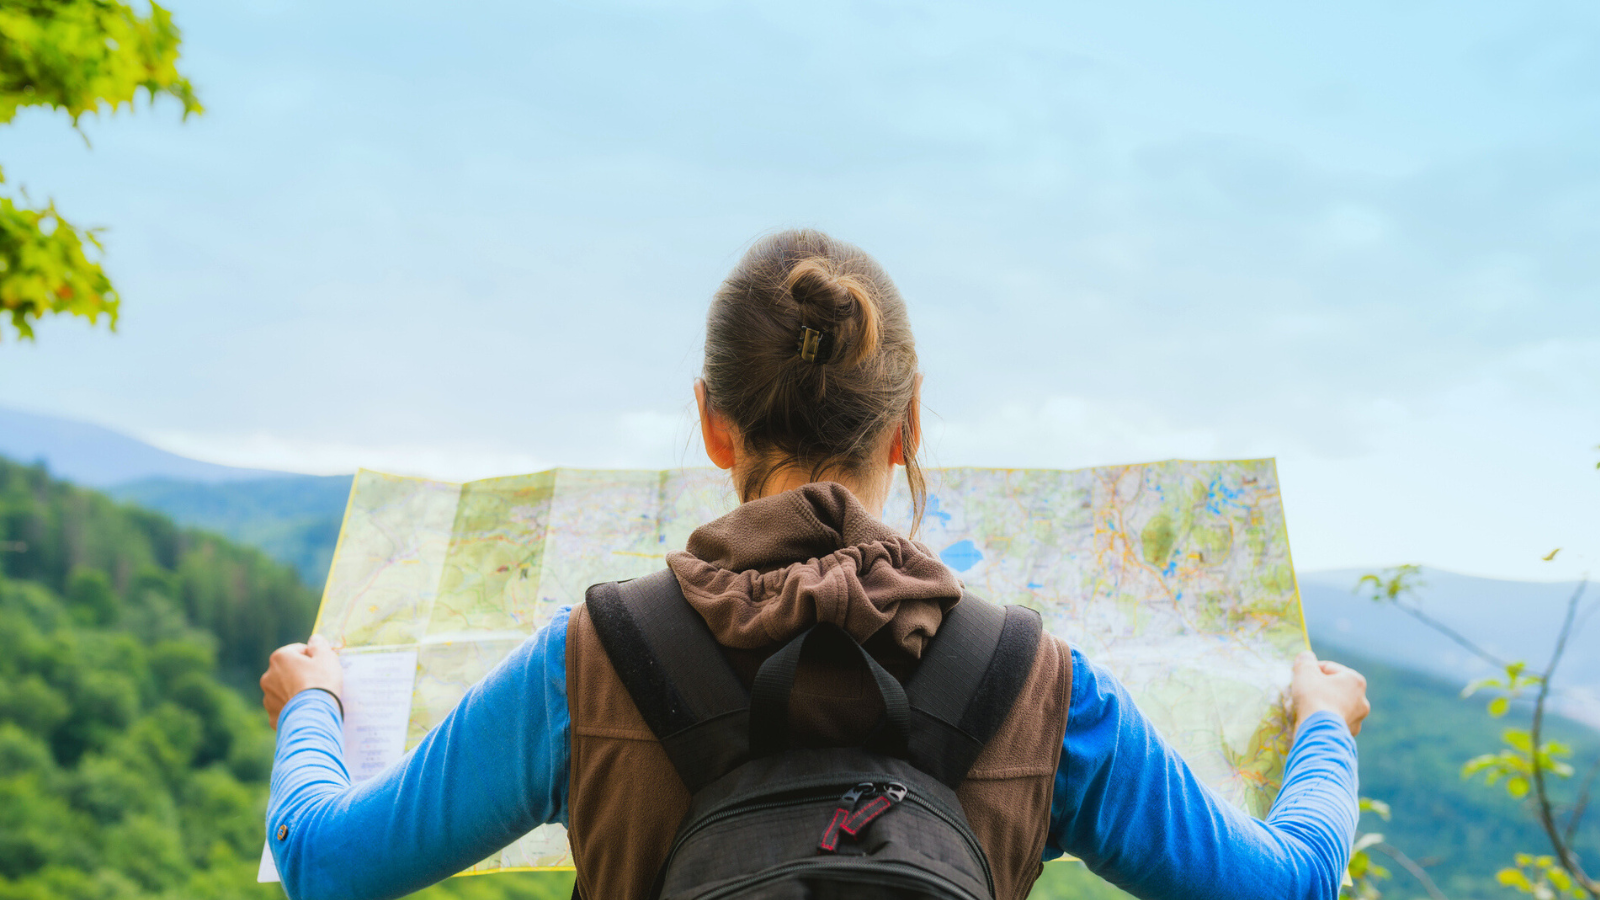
(497, 767)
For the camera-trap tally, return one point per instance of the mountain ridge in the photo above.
(96, 456)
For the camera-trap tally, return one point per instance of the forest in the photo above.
(134, 755)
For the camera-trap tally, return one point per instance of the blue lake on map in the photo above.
(961, 556)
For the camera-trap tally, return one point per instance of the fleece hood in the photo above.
(741, 573)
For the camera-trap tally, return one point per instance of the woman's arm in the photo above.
(1130, 808)
(493, 770)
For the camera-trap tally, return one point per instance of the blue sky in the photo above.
(1359, 238)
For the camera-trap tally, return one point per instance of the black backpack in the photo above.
(772, 821)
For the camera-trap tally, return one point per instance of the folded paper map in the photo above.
(1176, 576)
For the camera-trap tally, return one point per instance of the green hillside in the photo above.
(293, 519)
(129, 767)
(134, 571)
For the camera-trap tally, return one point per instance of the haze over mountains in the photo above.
(295, 519)
(99, 457)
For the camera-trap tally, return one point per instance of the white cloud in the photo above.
(1060, 432)
(445, 460)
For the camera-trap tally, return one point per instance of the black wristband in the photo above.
(335, 699)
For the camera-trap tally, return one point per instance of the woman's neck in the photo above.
(871, 495)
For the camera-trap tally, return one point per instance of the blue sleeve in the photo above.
(493, 770)
(1128, 806)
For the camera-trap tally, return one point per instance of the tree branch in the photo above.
(1583, 619)
(1452, 634)
(1546, 816)
(1583, 801)
(1410, 866)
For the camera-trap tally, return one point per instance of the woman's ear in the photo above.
(912, 427)
(719, 438)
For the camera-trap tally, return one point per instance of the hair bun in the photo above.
(809, 356)
(839, 304)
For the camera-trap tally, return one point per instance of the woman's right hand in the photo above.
(1321, 685)
(297, 667)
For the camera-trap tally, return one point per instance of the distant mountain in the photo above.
(99, 457)
(293, 518)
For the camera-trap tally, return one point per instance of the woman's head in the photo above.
(810, 360)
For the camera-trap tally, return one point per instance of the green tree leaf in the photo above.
(1519, 739)
(1514, 878)
(1367, 804)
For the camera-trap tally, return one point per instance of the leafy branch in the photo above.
(1563, 848)
(87, 56)
(1540, 876)
(44, 269)
(1362, 874)
(1525, 764)
(80, 57)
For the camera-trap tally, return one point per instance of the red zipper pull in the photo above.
(842, 814)
(885, 796)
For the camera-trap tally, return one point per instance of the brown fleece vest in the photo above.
(626, 800)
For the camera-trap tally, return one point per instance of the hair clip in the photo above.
(813, 342)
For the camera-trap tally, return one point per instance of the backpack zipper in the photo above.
(821, 787)
(834, 863)
(960, 828)
(850, 815)
(825, 790)
(738, 809)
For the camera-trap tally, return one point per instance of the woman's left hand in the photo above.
(297, 667)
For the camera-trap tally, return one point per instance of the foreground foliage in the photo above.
(1413, 746)
(79, 57)
(1529, 767)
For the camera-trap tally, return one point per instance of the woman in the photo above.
(809, 397)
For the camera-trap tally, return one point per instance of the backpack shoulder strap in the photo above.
(676, 674)
(967, 682)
